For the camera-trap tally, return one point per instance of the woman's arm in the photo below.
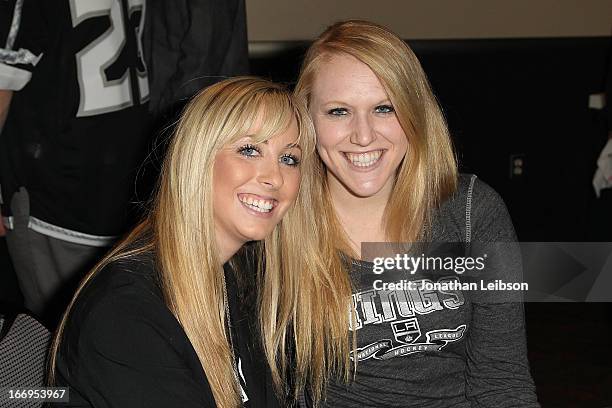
(497, 372)
(5, 102)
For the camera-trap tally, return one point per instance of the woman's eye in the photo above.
(249, 150)
(289, 160)
(384, 109)
(337, 112)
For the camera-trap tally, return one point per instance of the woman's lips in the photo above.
(364, 160)
(257, 203)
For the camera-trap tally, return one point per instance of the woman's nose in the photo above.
(363, 132)
(269, 174)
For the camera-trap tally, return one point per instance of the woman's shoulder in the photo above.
(122, 343)
(120, 314)
(471, 194)
(472, 187)
(122, 304)
(476, 211)
(121, 280)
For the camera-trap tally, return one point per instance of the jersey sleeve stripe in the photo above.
(68, 235)
(13, 78)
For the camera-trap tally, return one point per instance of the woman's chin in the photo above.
(256, 234)
(366, 190)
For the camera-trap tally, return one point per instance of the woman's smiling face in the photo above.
(254, 185)
(359, 137)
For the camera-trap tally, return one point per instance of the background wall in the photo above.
(278, 20)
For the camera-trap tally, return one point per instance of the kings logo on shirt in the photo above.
(400, 309)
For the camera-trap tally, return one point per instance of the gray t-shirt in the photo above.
(441, 348)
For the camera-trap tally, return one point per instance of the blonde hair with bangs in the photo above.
(180, 226)
(425, 178)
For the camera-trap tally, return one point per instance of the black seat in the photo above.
(23, 354)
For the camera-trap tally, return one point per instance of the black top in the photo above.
(77, 129)
(122, 347)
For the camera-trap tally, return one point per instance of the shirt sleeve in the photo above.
(23, 39)
(497, 371)
(129, 355)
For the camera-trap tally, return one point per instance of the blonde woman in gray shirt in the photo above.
(388, 174)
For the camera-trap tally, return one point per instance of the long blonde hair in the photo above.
(180, 227)
(426, 176)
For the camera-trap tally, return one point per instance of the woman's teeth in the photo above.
(260, 205)
(364, 159)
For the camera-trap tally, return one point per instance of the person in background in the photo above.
(5, 102)
(83, 113)
(388, 174)
(74, 137)
(190, 44)
(159, 322)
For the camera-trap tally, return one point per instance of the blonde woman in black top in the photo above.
(158, 323)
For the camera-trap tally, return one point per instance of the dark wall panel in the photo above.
(513, 98)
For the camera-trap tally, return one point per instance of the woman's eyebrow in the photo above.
(335, 102)
(294, 144)
(288, 146)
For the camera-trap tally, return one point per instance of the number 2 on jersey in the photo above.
(98, 94)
